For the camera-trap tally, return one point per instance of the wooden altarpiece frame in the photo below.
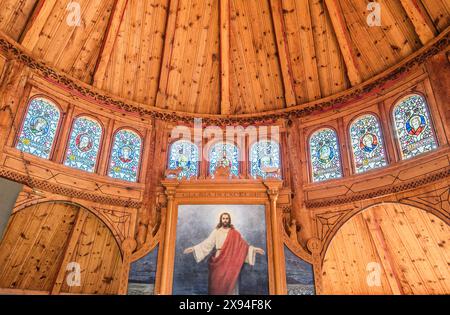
(236, 191)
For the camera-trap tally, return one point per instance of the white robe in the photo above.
(216, 240)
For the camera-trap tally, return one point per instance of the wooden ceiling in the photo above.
(223, 56)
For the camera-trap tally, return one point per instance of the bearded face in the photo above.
(226, 221)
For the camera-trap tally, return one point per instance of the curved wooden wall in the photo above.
(408, 247)
(42, 240)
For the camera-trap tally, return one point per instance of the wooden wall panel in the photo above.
(73, 49)
(377, 48)
(193, 65)
(135, 62)
(99, 257)
(409, 244)
(14, 16)
(33, 246)
(255, 74)
(302, 52)
(43, 239)
(330, 63)
(439, 12)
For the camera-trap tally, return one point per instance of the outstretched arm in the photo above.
(251, 254)
(201, 250)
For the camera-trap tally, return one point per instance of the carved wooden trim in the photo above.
(17, 52)
(411, 184)
(60, 190)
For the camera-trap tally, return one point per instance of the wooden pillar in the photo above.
(314, 245)
(168, 250)
(61, 141)
(273, 187)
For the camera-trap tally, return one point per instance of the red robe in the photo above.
(224, 269)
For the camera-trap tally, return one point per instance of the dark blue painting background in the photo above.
(142, 274)
(195, 223)
(299, 275)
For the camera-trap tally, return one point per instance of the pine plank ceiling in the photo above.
(223, 56)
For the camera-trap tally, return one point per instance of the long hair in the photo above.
(220, 220)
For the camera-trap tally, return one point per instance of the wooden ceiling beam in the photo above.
(169, 38)
(422, 23)
(224, 31)
(283, 51)
(32, 31)
(109, 39)
(344, 41)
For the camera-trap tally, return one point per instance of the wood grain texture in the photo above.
(43, 239)
(409, 244)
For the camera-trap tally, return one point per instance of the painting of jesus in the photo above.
(222, 258)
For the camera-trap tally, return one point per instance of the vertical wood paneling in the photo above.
(33, 250)
(410, 245)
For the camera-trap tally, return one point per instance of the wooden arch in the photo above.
(48, 243)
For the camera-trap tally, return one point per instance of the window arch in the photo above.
(224, 153)
(184, 154)
(39, 128)
(324, 155)
(125, 155)
(413, 126)
(367, 143)
(84, 144)
(264, 153)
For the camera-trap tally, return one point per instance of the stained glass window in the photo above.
(125, 156)
(367, 144)
(264, 154)
(324, 155)
(226, 154)
(184, 154)
(39, 128)
(413, 125)
(84, 144)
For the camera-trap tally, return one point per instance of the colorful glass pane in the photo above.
(125, 156)
(39, 128)
(413, 126)
(184, 154)
(264, 154)
(367, 144)
(84, 144)
(324, 155)
(225, 154)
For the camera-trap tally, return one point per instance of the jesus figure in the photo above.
(231, 252)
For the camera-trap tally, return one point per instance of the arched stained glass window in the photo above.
(84, 144)
(223, 153)
(324, 155)
(39, 128)
(125, 156)
(264, 154)
(184, 154)
(413, 126)
(367, 144)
